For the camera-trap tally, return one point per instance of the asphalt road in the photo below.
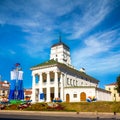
(21, 115)
(32, 117)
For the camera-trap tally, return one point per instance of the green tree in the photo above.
(118, 84)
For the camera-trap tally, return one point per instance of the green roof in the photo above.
(50, 62)
(65, 67)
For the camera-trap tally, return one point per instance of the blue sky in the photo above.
(91, 28)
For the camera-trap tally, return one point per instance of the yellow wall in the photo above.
(115, 95)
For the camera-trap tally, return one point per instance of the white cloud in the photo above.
(98, 53)
(39, 14)
(36, 44)
(41, 18)
(12, 52)
(93, 14)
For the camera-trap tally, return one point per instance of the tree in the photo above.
(118, 84)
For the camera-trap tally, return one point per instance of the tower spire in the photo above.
(60, 40)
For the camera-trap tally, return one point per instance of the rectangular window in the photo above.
(81, 83)
(74, 83)
(70, 81)
(67, 81)
(44, 80)
(3, 91)
(75, 95)
(114, 88)
(59, 79)
(52, 79)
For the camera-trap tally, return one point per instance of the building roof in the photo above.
(4, 85)
(102, 90)
(28, 91)
(112, 84)
(62, 66)
(60, 43)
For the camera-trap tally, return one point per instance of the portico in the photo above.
(49, 84)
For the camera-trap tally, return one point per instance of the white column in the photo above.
(62, 86)
(64, 76)
(48, 88)
(56, 85)
(40, 87)
(33, 88)
(65, 80)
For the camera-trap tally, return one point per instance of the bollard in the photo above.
(97, 115)
(97, 118)
(77, 112)
(115, 115)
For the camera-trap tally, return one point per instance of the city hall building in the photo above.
(57, 79)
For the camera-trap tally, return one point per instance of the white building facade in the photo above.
(57, 79)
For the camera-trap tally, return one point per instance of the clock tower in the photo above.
(61, 53)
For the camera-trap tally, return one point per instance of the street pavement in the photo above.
(41, 115)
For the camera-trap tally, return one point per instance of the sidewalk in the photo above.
(65, 114)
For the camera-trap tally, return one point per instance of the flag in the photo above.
(17, 64)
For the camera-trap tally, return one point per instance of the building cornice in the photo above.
(60, 43)
(81, 87)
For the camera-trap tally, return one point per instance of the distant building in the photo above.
(114, 94)
(4, 89)
(58, 79)
(27, 93)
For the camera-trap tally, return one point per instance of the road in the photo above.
(34, 115)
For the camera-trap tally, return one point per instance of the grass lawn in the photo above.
(72, 107)
(93, 106)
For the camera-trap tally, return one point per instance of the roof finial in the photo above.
(60, 40)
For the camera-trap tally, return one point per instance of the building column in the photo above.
(40, 87)
(33, 88)
(56, 85)
(65, 80)
(48, 88)
(62, 87)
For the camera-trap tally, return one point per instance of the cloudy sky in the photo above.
(91, 28)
